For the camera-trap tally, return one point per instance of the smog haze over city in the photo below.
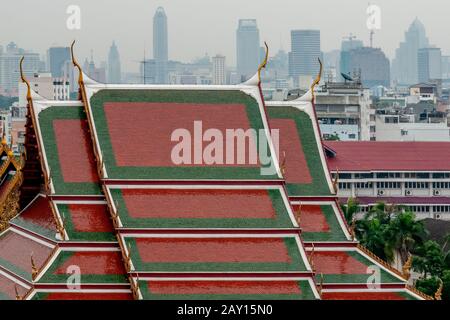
(197, 27)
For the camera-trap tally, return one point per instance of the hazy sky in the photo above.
(200, 26)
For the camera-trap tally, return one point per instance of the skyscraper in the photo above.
(160, 45)
(57, 57)
(405, 63)
(305, 51)
(429, 64)
(346, 47)
(114, 70)
(247, 48)
(9, 67)
(219, 72)
(373, 64)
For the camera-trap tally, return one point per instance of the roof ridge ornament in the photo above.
(317, 80)
(76, 65)
(255, 80)
(24, 79)
(263, 64)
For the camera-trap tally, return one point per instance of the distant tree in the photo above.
(405, 232)
(350, 209)
(332, 137)
(429, 259)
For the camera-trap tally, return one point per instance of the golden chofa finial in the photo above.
(76, 64)
(317, 80)
(24, 80)
(264, 63)
(4, 141)
(406, 270)
(438, 294)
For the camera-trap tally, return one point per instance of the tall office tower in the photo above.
(305, 51)
(429, 64)
(445, 67)
(160, 45)
(247, 48)
(219, 72)
(405, 63)
(57, 57)
(9, 67)
(346, 46)
(114, 70)
(373, 65)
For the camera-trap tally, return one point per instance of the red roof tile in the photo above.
(212, 203)
(389, 156)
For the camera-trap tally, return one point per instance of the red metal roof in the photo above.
(389, 156)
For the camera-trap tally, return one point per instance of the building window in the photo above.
(417, 185)
(345, 185)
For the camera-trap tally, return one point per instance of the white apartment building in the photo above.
(343, 109)
(219, 70)
(415, 174)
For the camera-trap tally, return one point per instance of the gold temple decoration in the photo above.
(311, 257)
(264, 63)
(317, 80)
(406, 269)
(283, 164)
(321, 284)
(18, 296)
(353, 229)
(298, 213)
(24, 80)
(336, 182)
(134, 287)
(438, 294)
(34, 269)
(76, 65)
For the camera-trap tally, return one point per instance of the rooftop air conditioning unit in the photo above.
(408, 193)
(381, 192)
(438, 216)
(437, 192)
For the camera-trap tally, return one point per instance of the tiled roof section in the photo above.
(94, 267)
(367, 295)
(384, 156)
(16, 251)
(142, 146)
(215, 290)
(348, 267)
(38, 217)
(87, 222)
(68, 151)
(83, 296)
(319, 223)
(305, 175)
(215, 254)
(8, 289)
(202, 208)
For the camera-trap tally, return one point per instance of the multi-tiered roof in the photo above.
(112, 216)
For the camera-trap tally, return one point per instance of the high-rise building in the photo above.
(445, 67)
(305, 51)
(57, 57)
(219, 71)
(429, 64)
(114, 70)
(405, 63)
(247, 48)
(373, 65)
(160, 45)
(9, 67)
(346, 46)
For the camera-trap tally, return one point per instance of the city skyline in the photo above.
(190, 39)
